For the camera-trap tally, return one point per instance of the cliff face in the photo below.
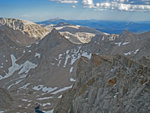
(108, 85)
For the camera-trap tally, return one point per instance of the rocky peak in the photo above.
(53, 39)
(54, 32)
(126, 33)
(54, 35)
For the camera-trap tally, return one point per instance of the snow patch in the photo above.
(17, 82)
(61, 90)
(37, 55)
(24, 51)
(28, 46)
(85, 54)
(59, 96)
(71, 69)
(118, 43)
(3, 112)
(11, 69)
(46, 104)
(37, 88)
(25, 86)
(135, 52)
(59, 58)
(48, 90)
(67, 57)
(26, 100)
(29, 105)
(125, 43)
(44, 89)
(128, 53)
(72, 80)
(44, 98)
(26, 67)
(74, 55)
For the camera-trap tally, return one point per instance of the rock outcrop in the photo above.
(108, 85)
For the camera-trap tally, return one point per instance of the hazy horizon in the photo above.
(147, 21)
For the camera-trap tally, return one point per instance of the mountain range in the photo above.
(111, 27)
(72, 69)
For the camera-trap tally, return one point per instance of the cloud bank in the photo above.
(123, 5)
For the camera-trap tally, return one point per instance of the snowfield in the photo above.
(25, 68)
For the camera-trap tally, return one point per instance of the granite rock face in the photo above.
(108, 84)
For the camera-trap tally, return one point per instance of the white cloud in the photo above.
(88, 3)
(66, 1)
(73, 6)
(123, 5)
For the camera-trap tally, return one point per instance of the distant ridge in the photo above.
(26, 27)
(112, 27)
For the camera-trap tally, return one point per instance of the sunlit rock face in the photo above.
(26, 27)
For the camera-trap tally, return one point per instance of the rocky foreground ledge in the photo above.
(108, 85)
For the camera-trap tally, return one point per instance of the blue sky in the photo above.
(38, 10)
